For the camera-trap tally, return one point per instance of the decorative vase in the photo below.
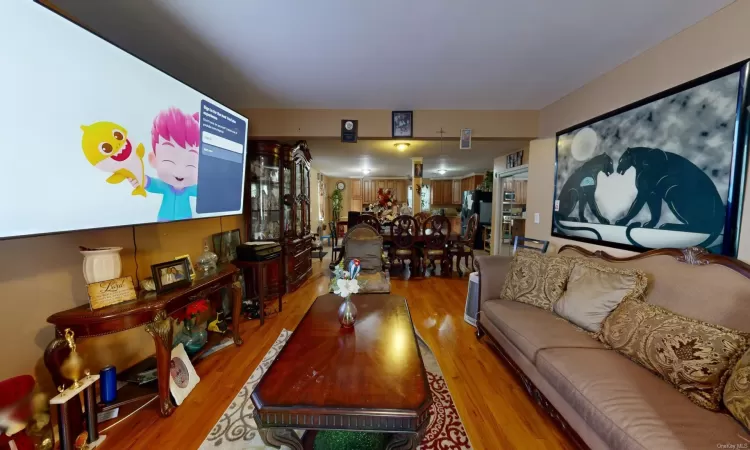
(347, 313)
(207, 259)
(193, 337)
(101, 264)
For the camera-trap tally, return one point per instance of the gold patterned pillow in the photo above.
(536, 279)
(737, 391)
(695, 357)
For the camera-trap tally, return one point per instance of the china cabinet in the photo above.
(278, 207)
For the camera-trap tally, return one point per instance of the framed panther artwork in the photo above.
(666, 171)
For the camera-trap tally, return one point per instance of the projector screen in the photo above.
(93, 137)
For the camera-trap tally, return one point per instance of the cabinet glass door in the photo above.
(288, 198)
(265, 199)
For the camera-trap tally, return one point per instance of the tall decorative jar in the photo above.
(100, 264)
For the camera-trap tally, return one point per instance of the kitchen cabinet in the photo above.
(369, 189)
(356, 187)
(456, 192)
(442, 192)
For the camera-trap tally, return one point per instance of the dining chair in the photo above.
(403, 235)
(336, 249)
(421, 217)
(464, 247)
(436, 231)
(538, 244)
(364, 243)
(371, 220)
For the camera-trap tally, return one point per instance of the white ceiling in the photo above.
(338, 159)
(388, 54)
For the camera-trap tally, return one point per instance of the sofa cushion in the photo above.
(594, 291)
(536, 279)
(693, 356)
(737, 391)
(532, 329)
(630, 407)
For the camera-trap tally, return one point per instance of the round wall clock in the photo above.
(349, 125)
(340, 185)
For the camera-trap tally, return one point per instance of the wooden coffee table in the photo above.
(369, 378)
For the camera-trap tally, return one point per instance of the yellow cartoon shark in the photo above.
(106, 146)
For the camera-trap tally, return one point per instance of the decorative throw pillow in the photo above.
(737, 391)
(595, 290)
(537, 279)
(694, 356)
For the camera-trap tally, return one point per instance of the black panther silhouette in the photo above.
(579, 188)
(688, 191)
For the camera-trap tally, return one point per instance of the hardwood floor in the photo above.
(493, 406)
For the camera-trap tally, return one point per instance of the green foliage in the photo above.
(487, 182)
(337, 204)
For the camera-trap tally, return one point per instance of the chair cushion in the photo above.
(403, 252)
(435, 252)
(368, 250)
(532, 329)
(376, 283)
(694, 356)
(628, 406)
(594, 291)
(464, 249)
(537, 279)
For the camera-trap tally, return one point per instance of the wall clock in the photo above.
(340, 185)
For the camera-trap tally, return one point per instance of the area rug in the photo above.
(236, 430)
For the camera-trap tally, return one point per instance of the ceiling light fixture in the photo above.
(365, 171)
(401, 146)
(441, 171)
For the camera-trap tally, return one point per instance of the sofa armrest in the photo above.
(492, 273)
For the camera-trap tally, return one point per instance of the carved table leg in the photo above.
(408, 441)
(236, 311)
(276, 437)
(161, 331)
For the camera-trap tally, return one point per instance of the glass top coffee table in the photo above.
(367, 378)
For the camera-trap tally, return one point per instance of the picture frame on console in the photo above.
(225, 244)
(171, 274)
(665, 171)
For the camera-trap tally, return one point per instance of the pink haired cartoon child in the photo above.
(175, 138)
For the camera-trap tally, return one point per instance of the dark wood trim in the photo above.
(696, 256)
(532, 390)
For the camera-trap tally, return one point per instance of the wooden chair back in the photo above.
(420, 218)
(538, 244)
(471, 230)
(371, 220)
(404, 231)
(334, 234)
(440, 228)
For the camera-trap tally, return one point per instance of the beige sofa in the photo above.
(600, 398)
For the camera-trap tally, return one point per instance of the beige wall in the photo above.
(711, 44)
(326, 123)
(42, 275)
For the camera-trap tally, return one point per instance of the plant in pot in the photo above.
(337, 204)
(193, 336)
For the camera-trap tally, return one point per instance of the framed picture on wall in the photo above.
(666, 171)
(402, 124)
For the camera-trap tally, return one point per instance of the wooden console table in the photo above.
(153, 310)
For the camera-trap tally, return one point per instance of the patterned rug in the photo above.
(236, 430)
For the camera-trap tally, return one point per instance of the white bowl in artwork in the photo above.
(646, 237)
(101, 264)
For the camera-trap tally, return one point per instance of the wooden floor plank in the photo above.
(494, 408)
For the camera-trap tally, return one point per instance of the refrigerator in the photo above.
(476, 202)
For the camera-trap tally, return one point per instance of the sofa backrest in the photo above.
(691, 282)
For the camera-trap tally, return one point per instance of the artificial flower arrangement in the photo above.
(385, 198)
(345, 282)
(192, 337)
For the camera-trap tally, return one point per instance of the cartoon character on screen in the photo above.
(107, 147)
(175, 138)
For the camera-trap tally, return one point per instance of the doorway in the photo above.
(510, 211)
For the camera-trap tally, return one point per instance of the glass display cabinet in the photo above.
(277, 207)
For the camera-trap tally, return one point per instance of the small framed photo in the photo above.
(465, 139)
(225, 245)
(190, 264)
(418, 170)
(171, 274)
(402, 124)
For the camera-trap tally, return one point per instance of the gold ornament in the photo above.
(72, 367)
